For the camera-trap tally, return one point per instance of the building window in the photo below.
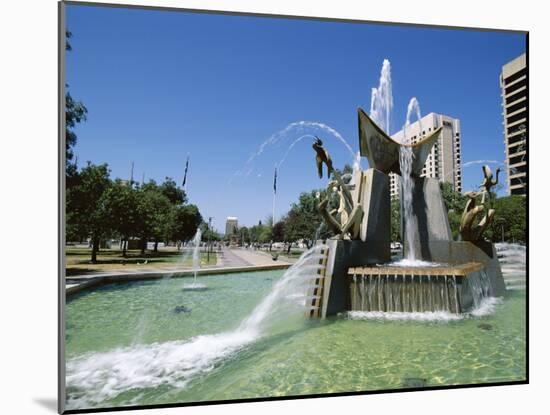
(521, 116)
(516, 107)
(516, 96)
(515, 87)
(515, 76)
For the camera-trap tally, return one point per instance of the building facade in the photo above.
(231, 224)
(444, 161)
(513, 85)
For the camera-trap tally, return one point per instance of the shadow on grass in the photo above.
(129, 254)
(80, 271)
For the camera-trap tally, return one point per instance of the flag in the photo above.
(275, 182)
(185, 174)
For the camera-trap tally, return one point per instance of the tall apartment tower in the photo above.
(444, 161)
(513, 84)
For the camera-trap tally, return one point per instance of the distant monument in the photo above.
(448, 275)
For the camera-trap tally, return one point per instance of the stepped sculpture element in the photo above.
(359, 274)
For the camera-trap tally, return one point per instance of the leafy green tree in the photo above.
(86, 211)
(303, 219)
(184, 221)
(510, 220)
(255, 231)
(170, 189)
(279, 231)
(245, 234)
(121, 205)
(453, 200)
(209, 234)
(153, 209)
(266, 234)
(395, 221)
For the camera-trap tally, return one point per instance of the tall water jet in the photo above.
(406, 161)
(196, 262)
(381, 104)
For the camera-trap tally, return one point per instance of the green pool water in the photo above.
(126, 345)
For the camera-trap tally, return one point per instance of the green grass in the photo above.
(78, 260)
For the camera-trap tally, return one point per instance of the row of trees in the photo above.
(100, 208)
(303, 222)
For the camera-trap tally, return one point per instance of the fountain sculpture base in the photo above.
(353, 280)
(453, 289)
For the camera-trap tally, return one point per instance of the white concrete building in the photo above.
(444, 162)
(231, 224)
(513, 85)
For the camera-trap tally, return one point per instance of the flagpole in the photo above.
(274, 193)
(184, 184)
(273, 209)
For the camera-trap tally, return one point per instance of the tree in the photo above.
(121, 205)
(86, 211)
(153, 210)
(184, 222)
(170, 189)
(208, 233)
(510, 219)
(303, 220)
(453, 200)
(395, 223)
(279, 231)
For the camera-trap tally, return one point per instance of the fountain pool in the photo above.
(199, 353)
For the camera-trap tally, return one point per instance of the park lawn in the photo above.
(78, 260)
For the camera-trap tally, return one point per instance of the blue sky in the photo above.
(160, 85)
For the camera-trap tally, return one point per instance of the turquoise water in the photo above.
(126, 345)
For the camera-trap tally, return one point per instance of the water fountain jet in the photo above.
(194, 286)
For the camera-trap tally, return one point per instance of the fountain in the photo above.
(196, 263)
(439, 274)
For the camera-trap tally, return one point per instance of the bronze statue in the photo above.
(343, 220)
(469, 230)
(321, 157)
(488, 182)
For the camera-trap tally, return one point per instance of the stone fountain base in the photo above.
(358, 276)
(453, 289)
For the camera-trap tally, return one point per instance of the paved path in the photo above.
(253, 257)
(229, 258)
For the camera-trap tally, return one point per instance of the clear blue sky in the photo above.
(159, 85)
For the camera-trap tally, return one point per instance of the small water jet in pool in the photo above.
(194, 286)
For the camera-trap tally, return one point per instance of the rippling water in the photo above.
(197, 353)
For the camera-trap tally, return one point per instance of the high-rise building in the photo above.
(443, 162)
(231, 224)
(513, 85)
